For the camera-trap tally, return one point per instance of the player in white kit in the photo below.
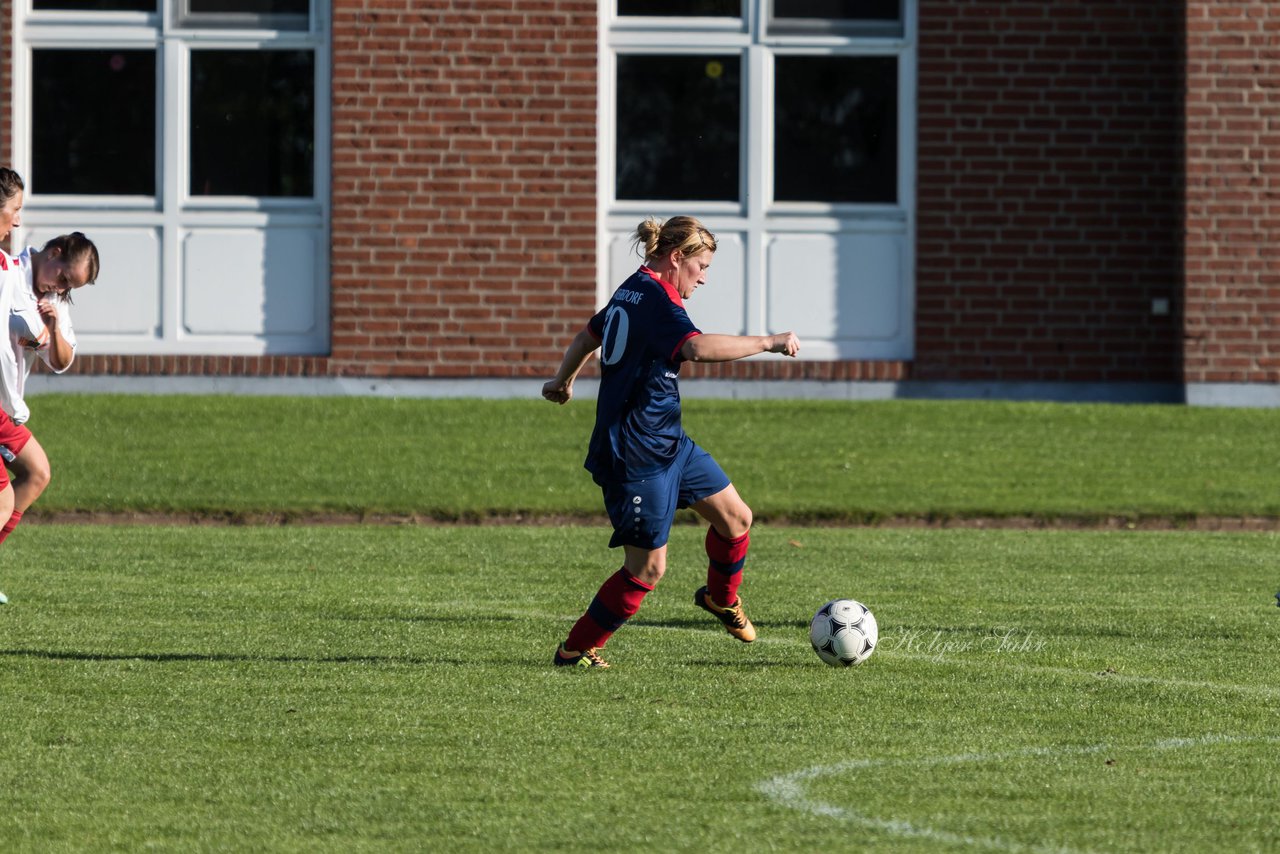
(36, 285)
(11, 198)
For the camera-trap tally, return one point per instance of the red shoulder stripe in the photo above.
(676, 352)
(672, 293)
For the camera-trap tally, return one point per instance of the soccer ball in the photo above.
(843, 632)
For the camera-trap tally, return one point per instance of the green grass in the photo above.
(792, 460)
(372, 688)
(297, 688)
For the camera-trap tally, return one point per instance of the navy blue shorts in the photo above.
(642, 510)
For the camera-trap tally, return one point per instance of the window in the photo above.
(678, 127)
(252, 122)
(788, 127)
(853, 17)
(188, 138)
(683, 8)
(95, 5)
(257, 14)
(93, 119)
(835, 129)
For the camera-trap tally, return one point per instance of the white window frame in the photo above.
(756, 214)
(173, 212)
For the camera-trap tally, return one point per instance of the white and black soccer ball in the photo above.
(844, 632)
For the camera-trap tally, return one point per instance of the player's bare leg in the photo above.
(726, 511)
(728, 539)
(646, 565)
(31, 474)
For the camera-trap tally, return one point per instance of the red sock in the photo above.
(617, 601)
(10, 525)
(725, 571)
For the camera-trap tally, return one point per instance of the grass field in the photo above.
(374, 688)
(799, 460)
(388, 687)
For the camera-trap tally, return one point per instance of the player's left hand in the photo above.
(48, 312)
(786, 343)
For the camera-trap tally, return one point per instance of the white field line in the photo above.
(789, 790)
(1003, 661)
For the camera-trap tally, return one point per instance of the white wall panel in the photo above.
(249, 281)
(836, 288)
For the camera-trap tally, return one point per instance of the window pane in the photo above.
(682, 8)
(839, 10)
(93, 122)
(249, 7)
(252, 122)
(678, 127)
(241, 14)
(836, 129)
(95, 5)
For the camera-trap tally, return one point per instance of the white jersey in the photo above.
(29, 337)
(12, 279)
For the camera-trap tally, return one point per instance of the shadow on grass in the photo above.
(695, 622)
(165, 657)
(175, 657)
(724, 664)
(421, 618)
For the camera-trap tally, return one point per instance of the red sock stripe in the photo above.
(727, 552)
(724, 573)
(616, 602)
(10, 525)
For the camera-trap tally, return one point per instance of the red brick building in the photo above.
(1074, 195)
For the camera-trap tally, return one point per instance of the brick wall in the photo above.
(1233, 191)
(464, 231)
(464, 184)
(1051, 194)
(1050, 181)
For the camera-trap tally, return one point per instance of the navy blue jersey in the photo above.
(638, 428)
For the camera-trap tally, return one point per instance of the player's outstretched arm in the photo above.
(560, 388)
(727, 348)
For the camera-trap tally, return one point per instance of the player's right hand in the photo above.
(558, 392)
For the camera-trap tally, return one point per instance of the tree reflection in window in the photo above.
(93, 122)
(252, 122)
(836, 129)
(678, 127)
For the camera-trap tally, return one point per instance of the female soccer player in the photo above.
(639, 454)
(11, 196)
(37, 285)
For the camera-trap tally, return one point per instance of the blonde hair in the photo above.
(658, 238)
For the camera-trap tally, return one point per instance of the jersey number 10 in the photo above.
(616, 323)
